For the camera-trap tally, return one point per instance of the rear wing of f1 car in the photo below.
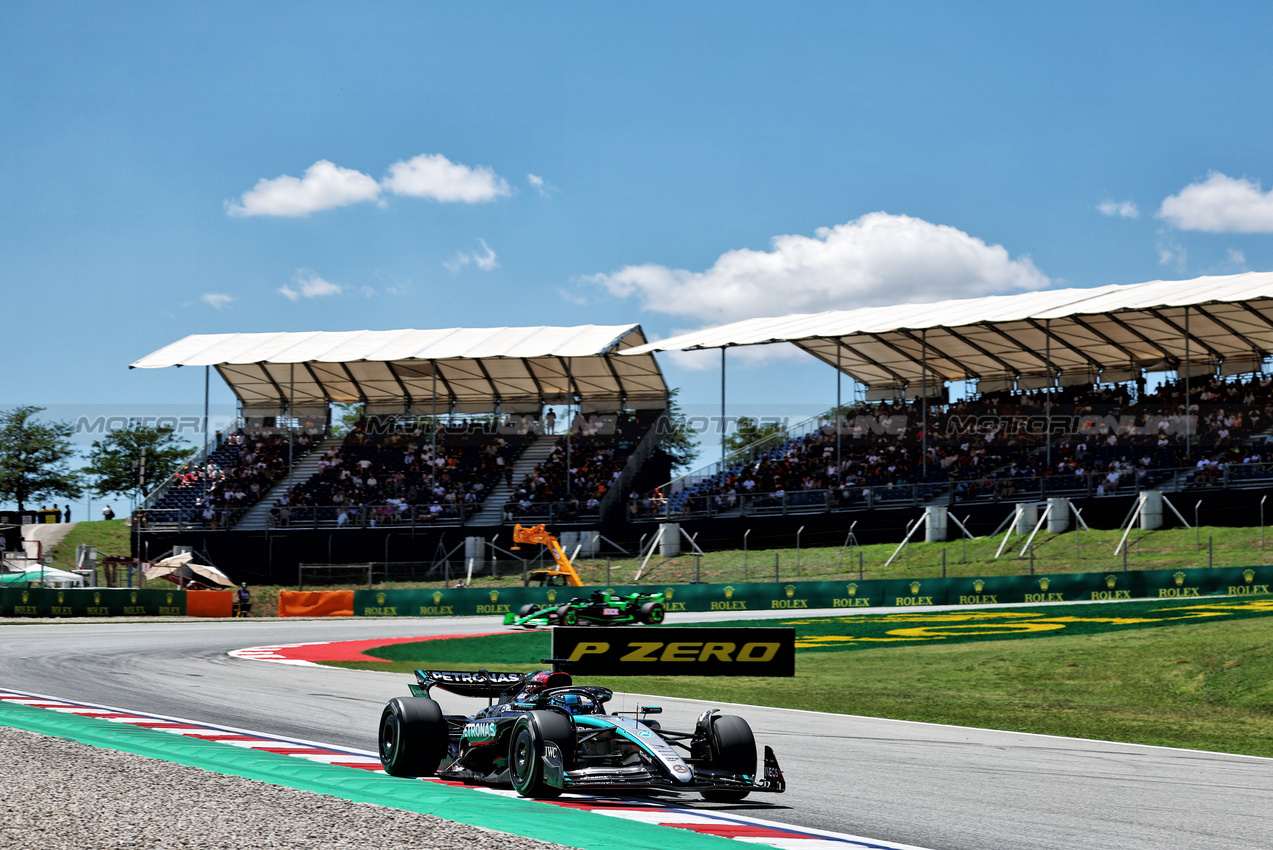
(483, 683)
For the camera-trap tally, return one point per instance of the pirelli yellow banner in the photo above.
(672, 651)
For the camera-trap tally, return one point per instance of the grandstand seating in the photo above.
(218, 490)
(598, 449)
(388, 476)
(992, 447)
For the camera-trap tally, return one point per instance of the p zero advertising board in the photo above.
(672, 651)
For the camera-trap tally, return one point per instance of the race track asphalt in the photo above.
(947, 788)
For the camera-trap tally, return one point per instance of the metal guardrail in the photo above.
(311, 517)
(856, 497)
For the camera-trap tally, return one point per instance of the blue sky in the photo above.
(173, 169)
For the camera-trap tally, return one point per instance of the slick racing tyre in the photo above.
(413, 737)
(652, 613)
(527, 610)
(567, 616)
(733, 750)
(528, 743)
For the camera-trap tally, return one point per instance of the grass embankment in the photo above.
(1070, 552)
(1130, 672)
(110, 538)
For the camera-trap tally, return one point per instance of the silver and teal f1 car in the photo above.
(543, 735)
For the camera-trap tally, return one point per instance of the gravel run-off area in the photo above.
(63, 795)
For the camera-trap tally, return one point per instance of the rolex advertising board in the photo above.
(797, 596)
(91, 602)
(672, 651)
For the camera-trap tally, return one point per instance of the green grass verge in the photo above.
(1138, 672)
(110, 538)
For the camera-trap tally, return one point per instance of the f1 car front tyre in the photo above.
(567, 616)
(529, 742)
(734, 750)
(413, 737)
(527, 610)
(652, 613)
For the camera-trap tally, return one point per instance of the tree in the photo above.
(748, 432)
(350, 415)
(678, 443)
(115, 461)
(33, 458)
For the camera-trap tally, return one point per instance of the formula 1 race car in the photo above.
(543, 735)
(602, 608)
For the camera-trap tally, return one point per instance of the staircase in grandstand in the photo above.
(258, 516)
(492, 509)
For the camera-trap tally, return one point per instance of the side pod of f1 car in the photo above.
(543, 734)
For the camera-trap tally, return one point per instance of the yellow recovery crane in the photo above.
(564, 575)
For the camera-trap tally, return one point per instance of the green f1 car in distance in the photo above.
(603, 608)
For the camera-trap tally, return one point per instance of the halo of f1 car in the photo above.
(542, 734)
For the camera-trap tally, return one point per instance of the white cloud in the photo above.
(434, 176)
(325, 185)
(1171, 252)
(484, 259)
(540, 185)
(1220, 204)
(1237, 259)
(216, 299)
(1120, 209)
(309, 285)
(877, 259)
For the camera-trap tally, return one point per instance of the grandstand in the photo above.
(455, 441)
(448, 414)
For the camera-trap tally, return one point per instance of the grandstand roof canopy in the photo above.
(472, 369)
(1106, 333)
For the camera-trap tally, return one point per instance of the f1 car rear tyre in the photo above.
(568, 616)
(733, 750)
(527, 610)
(528, 743)
(413, 736)
(652, 613)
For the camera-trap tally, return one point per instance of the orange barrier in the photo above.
(316, 603)
(209, 603)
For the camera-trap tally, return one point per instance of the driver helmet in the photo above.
(537, 682)
(573, 703)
